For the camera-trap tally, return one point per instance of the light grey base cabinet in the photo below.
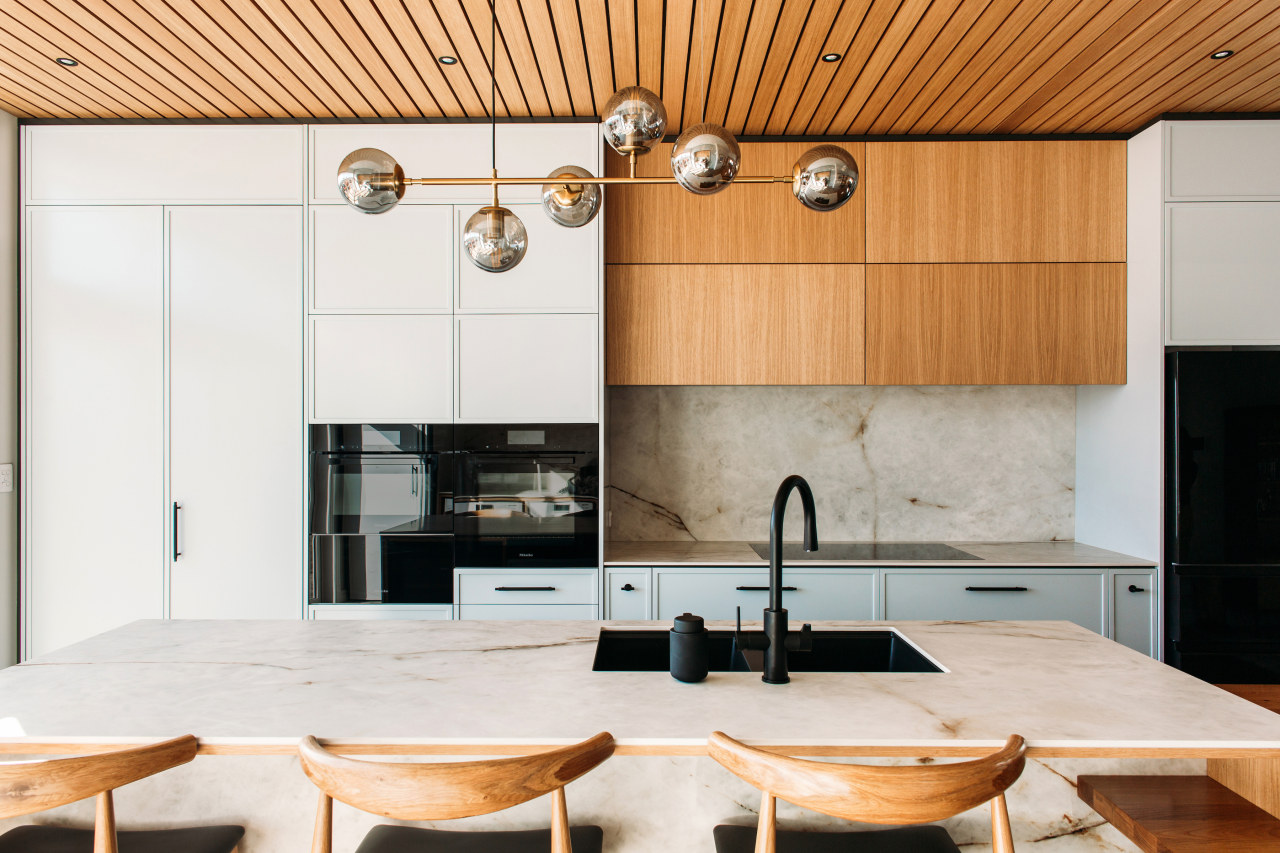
(1117, 603)
(526, 593)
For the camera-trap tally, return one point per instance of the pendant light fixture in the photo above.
(494, 238)
(705, 159)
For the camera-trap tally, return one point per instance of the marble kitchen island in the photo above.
(250, 690)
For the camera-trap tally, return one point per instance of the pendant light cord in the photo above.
(493, 84)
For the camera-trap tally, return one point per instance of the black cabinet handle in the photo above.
(764, 589)
(626, 587)
(524, 589)
(1134, 588)
(995, 589)
(177, 548)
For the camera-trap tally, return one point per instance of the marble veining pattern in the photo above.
(987, 463)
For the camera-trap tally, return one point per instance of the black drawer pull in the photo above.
(995, 589)
(626, 587)
(764, 589)
(524, 589)
(1135, 588)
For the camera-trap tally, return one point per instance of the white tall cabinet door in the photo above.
(235, 285)
(94, 427)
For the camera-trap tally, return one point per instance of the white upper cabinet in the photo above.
(422, 150)
(139, 164)
(559, 272)
(1222, 271)
(401, 260)
(382, 369)
(528, 368)
(235, 288)
(1222, 160)
(456, 151)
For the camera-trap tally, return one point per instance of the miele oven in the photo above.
(527, 495)
(381, 513)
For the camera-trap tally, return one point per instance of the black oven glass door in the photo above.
(523, 509)
(413, 569)
(380, 493)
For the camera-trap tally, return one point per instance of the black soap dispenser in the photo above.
(689, 653)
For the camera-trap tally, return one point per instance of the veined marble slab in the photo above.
(990, 554)
(261, 684)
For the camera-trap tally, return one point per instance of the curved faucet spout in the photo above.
(791, 483)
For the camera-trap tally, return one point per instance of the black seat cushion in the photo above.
(60, 839)
(411, 839)
(908, 839)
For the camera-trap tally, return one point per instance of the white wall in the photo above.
(1119, 429)
(8, 384)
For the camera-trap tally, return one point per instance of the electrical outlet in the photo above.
(6, 477)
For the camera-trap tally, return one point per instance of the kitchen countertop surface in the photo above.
(473, 687)
(990, 554)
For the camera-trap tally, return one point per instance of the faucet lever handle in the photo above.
(802, 640)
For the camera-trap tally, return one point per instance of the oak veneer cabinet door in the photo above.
(742, 224)
(995, 324)
(93, 434)
(734, 324)
(235, 410)
(966, 202)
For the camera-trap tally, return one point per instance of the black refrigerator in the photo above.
(1222, 515)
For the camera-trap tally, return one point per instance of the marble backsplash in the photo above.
(990, 463)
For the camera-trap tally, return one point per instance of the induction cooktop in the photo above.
(885, 551)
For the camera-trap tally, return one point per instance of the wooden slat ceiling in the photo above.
(908, 67)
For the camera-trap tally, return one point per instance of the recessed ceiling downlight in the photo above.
(1221, 54)
(448, 60)
(830, 57)
(67, 61)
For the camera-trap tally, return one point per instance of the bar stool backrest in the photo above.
(27, 787)
(448, 790)
(875, 794)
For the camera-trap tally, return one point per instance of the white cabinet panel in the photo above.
(560, 271)
(235, 290)
(717, 593)
(398, 260)
(1223, 159)
(626, 594)
(194, 164)
(1133, 596)
(531, 611)
(422, 150)
(428, 612)
(527, 586)
(95, 515)
(528, 368)
(534, 150)
(1223, 272)
(1004, 595)
(382, 369)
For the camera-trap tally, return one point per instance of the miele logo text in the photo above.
(526, 555)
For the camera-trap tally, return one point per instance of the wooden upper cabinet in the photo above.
(968, 202)
(742, 224)
(729, 324)
(995, 324)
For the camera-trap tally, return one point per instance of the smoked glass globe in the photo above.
(705, 158)
(370, 180)
(494, 239)
(571, 204)
(825, 177)
(633, 120)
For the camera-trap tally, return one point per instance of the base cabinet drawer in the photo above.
(938, 594)
(807, 595)
(435, 612)
(531, 611)
(532, 587)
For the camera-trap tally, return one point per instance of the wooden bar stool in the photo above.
(869, 794)
(444, 791)
(27, 787)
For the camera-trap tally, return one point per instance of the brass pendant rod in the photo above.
(496, 182)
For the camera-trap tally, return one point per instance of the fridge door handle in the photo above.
(177, 545)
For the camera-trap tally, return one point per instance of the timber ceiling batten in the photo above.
(909, 67)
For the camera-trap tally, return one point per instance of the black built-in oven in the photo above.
(382, 513)
(528, 495)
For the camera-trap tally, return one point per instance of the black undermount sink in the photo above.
(622, 650)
